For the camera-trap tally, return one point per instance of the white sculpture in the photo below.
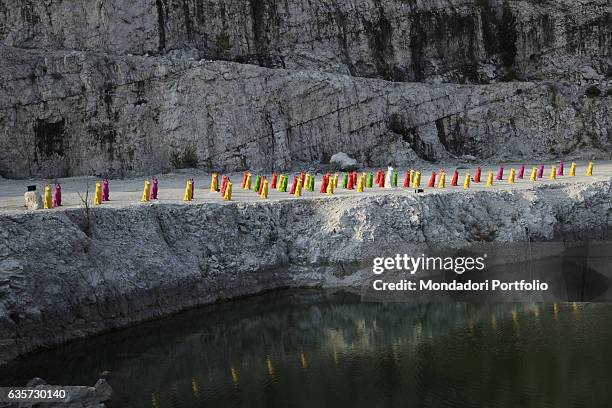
(33, 200)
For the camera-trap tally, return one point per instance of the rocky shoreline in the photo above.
(64, 275)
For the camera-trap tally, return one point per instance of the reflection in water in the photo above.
(328, 349)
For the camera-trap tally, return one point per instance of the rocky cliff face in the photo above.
(118, 87)
(456, 40)
(68, 113)
(63, 277)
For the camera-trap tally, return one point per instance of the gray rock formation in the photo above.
(63, 278)
(448, 40)
(71, 113)
(117, 87)
(342, 161)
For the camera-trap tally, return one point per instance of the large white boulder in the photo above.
(342, 161)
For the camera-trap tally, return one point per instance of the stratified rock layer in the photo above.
(450, 40)
(63, 277)
(73, 113)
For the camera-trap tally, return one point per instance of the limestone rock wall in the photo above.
(72, 113)
(449, 40)
(133, 87)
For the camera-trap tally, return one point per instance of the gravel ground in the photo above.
(127, 192)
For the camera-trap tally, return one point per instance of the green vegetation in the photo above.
(188, 158)
(223, 42)
(592, 92)
(509, 75)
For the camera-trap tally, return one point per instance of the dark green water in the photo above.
(328, 349)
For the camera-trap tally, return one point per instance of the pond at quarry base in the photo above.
(321, 348)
